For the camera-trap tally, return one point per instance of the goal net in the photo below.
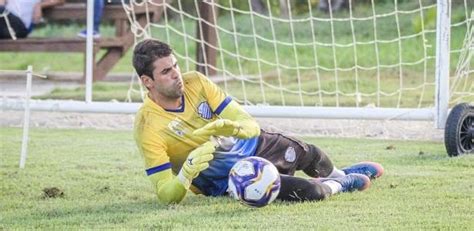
(368, 59)
(364, 54)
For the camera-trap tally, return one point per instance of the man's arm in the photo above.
(247, 126)
(172, 189)
(234, 121)
(168, 188)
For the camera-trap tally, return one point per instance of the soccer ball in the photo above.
(254, 181)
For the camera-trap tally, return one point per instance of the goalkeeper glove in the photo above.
(222, 127)
(196, 162)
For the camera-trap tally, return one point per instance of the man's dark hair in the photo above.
(145, 54)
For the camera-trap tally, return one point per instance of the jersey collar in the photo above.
(150, 102)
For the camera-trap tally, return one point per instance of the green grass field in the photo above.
(102, 177)
(101, 174)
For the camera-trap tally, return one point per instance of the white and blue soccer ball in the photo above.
(254, 181)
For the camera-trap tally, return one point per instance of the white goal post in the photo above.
(389, 62)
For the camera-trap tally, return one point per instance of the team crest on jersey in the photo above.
(290, 154)
(204, 110)
(177, 127)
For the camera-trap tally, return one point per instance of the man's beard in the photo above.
(172, 93)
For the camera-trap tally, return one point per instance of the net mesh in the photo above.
(372, 54)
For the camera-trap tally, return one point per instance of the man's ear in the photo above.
(147, 81)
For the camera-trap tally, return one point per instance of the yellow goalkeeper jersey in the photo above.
(164, 137)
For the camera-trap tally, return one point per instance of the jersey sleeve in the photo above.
(168, 188)
(152, 147)
(215, 96)
(226, 108)
(158, 167)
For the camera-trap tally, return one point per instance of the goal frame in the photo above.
(438, 113)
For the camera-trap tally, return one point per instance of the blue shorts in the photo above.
(213, 181)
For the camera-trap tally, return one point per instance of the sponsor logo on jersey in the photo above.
(204, 110)
(177, 127)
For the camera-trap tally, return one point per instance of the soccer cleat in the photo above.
(83, 34)
(353, 182)
(371, 169)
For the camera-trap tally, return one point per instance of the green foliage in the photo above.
(102, 177)
(380, 87)
(458, 16)
(344, 55)
(239, 5)
(301, 6)
(428, 21)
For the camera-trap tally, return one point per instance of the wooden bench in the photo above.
(115, 47)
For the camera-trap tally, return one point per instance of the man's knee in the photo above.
(319, 164)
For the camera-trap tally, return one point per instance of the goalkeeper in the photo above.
(191, 133)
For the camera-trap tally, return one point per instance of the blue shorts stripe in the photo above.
(159, 168)
(224, 103)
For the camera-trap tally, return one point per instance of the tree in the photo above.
(336, 5)
(259, 7)
(284, 11)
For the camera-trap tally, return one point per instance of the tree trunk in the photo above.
(258, 7)
(336, 5)
(284, 12)
(207, 34)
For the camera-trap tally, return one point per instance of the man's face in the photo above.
(167, 78)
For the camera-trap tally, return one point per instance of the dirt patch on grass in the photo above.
(52, 192)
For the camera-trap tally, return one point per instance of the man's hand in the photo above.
(220, 127)
(196, 162)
